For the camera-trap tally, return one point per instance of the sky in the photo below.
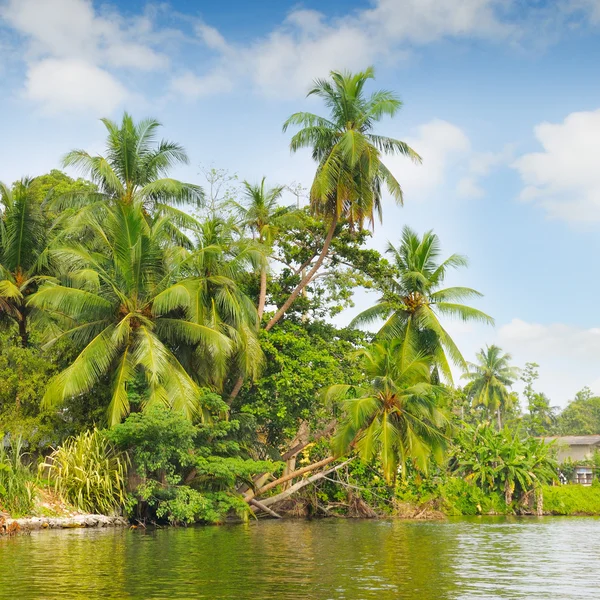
(501, 99)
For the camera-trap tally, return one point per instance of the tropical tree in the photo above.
(220, 265)
(23, 239)
(350, 175)
(396, 415)
(126, 308)
(501, 461)
(489, 380)
(134, 170)
(413, 302)
(261, 213)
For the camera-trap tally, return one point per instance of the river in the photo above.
(330, 559)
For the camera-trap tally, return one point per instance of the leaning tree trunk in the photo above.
(307, 278)
(236, 390)
(273, 484)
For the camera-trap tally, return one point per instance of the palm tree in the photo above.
(134, 170)
(23, 236)
(412, 303)
(220, 263)
(126, 308)
(396, 414)
(261, 213)
(489, 379)
(350, 173)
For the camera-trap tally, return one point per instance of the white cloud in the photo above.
(69, 45)
(192, 87)
(441, 145)
(564, 178)
(568, 356)
(66, 85)
(308, 44)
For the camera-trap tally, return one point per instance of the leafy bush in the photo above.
(88, 472)
(502, 462)
(572, 499)
(16, 480)
(187, 473)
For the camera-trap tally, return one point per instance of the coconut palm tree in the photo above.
(489, 380)
(23, 239)
(134, 169)
(125, 306)
(261, 213)
(220, 263)
(350, 173)
(412, 303)
(396, 415)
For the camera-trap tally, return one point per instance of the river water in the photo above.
(330, 559)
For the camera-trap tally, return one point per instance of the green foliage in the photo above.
(572, 499)
(187, 473)
(395, 414)
(489, 379)
(300, 360)
(581, 416)
(413, 300)
(87, 472)
(16, 480)
(501, 461)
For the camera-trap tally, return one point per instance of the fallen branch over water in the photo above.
(303, 483)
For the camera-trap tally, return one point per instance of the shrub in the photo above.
(16, 480)
(88, 472)
(188, 473)
(572, 499)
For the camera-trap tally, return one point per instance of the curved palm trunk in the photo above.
(236, 389)
(262, 296)
(307, 278)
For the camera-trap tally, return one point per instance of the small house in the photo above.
(577, 449)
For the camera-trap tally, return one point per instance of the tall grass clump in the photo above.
(88, 473)
(16, 480)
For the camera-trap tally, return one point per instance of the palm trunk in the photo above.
(262, 296)
(236, 390)
(23, 333)
(499, 416)
(307, 278)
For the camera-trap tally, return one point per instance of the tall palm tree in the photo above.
(124, 305)
(396, 415)
(413, 302)
(135, 169)
(350, 173)
(261, 213)
(489, 380)
(23, 238)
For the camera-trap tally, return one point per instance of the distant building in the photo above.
(577, 449)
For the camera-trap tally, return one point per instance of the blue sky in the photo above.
(502, 100)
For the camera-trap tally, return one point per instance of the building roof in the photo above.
(575, 440)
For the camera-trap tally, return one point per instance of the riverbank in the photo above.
(10, 526)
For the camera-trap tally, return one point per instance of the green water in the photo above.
(303, 560)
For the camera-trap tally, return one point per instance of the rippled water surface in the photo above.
(321, 560)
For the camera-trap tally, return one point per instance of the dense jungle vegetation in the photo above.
(167, 348)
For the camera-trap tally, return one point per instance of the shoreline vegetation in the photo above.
(167, 354)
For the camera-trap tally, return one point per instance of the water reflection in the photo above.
(319, 560)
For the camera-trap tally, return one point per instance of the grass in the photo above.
(572, 500)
